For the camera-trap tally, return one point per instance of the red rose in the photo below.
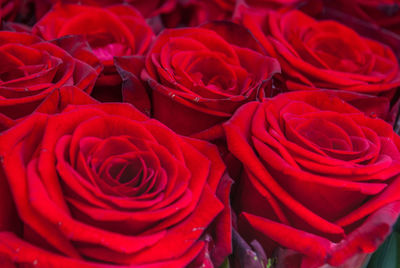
(116, 30)
(319, 177)
(102, 184)
(200, 76)
(32, 68)
(147, 8)
(197, 12)
(273, 4)
(16, 10)
(325, 54)
(372, 106)
(385, 13)
(9, 9)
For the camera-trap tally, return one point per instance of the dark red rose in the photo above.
(18, 11)
(372, 106)
(384, 13)
(259, 7)
(200, 76)
(116, 30)
(100, 185)
(320, 179)
(326, 54)
(147, 8)
(197, 12)
(9, 9)
(273, 4)
(33, 68)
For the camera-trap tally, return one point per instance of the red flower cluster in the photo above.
(177, 133)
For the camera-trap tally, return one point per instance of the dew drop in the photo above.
(26, 89)
(35, 262)
(172, 95)
(208, 238)
(197, 229)
(196, 99)
(252, 254)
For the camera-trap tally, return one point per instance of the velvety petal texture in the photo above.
(384, 13)
(115, 30)
(260, 6)
(102, 185)
(32, 68)
(146, 8)
(199, 76)
(319, 176)
(325, 54)
(196, 12)
(9, 9)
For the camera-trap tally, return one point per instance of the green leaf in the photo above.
(396, 227)
(388, 255)
(271, 262)
(225, 264)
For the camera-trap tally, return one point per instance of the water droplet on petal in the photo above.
(35, 262)
(197, 229)
(196, 99)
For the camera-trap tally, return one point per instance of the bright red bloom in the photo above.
(102, 184)
(319, 177)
